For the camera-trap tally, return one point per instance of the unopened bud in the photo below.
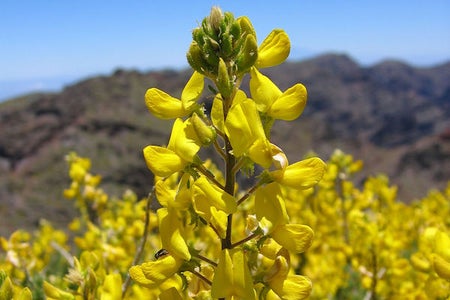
(248, 54)
(195, 58)
(205, 133)
(224, 83)
(215, 17)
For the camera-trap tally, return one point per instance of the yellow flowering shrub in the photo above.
(301, 230)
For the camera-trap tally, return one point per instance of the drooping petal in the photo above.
(232, 277)
(301, 175)
(162, 161)
(290, 104)
(294, 237)
(264, 92)
(192, 91)
(170, 228)
(274, 49)
(162, 105)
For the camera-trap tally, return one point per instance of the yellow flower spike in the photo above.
(274, 49)
(153, 273)
(232, 277)
(441, 266)
(301, 175)
(211, 195)
(112, 287)
(164, 106)
(287, 105)
(270, 205)
(294, 237)
(171, 231)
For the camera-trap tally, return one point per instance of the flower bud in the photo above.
(205, 133)
(224, 83)
(248, 54)
(215, 17)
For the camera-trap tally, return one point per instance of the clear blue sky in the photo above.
(46, 44)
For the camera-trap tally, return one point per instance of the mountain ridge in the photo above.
(393, 116)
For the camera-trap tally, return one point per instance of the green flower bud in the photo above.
(205, 133)
(224, 83)
(196, 60)
(246, 26)
(248, 54)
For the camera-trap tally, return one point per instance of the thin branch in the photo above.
(209, 175)
(199, 275)
(219, 149)
(205, 259)
(251, 236)
(249, 193)
(140, 250)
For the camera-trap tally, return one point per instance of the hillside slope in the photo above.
(393, 116)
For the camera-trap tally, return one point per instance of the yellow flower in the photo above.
(300, 175)
(270, 207)
(274, 49)
(269, 99)
(112, 287)
(213, 204)
(153, 273)
(164, 106)
(292, 287)
(181, 150)
(171, 231)
(232, 277)
(294, 237)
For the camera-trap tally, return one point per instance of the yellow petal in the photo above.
(171, 229)
(206, 192)
(269, 204)
(294, 237)
(441, 266)
(192, 91)
(162, 161)
(301, 175)
(274, 49)
(162, 105)
(170, 294)
(156, 271)
(260, 152)
(264, 92)
(290, 104)
(183, 140)
(294, 287)
(232, 277)
(243, 126)
(112, 287)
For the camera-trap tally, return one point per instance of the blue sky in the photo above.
(47, 44)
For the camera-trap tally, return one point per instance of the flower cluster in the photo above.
(222, 241)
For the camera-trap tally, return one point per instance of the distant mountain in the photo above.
(391, 115)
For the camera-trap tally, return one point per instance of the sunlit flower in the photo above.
(232, 277)
(164, 106)
(287, 105)
(181, 150)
